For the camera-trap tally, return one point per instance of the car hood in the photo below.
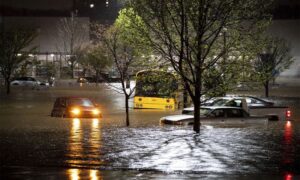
(179, 117)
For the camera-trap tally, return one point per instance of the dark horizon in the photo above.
(57, 8)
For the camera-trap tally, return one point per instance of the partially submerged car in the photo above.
(25, 81)
(75, 107)
(213, 114)
(254, 106)
(237, 100)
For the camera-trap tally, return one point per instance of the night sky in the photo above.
(39, 4)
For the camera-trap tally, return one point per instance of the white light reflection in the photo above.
(74, 174)
(76, 124)
(95, 123)
(94, 175)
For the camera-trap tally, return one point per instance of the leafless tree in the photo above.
(73, 37)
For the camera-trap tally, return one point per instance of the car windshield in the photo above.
(203, 111)
(220, 102)
(81, 102)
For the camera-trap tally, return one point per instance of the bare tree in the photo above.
(73, 37)
(187, 34)
(12, 42)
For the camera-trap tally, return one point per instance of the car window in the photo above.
(234, 103)
(31, 79)
(234, 113)
(218, 113)
(219, 102)
(80, 102)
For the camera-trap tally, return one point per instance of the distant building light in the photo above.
(92, 5)
(52, 55)
(30, 55)
(19, 54)
(106, 3)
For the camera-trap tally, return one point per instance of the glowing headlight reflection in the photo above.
(95, 123)
(74, 174)
(76, 124)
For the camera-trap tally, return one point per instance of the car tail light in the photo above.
(288, 113)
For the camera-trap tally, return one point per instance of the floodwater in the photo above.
(33, 144)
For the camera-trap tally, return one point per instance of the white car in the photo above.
(213, 114)
(236, 101)
(25, 81)
(28, 82)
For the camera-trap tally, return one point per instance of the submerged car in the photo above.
(29, 82)
(237, 100)
(212, 114)
(75, 107)
(25, 81)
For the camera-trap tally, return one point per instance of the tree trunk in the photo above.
(127, 109)
(97, 76)
(197, 112)
(7, 84)
(266, 88)
(72, 70)
(185, 98)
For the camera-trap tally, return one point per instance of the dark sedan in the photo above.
(75, 107)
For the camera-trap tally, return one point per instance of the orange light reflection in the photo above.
(74, 174)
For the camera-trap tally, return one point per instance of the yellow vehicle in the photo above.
(156, 90)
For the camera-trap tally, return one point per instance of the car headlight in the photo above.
(75, 111)
(96, 112)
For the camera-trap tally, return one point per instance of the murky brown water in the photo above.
(32, 139)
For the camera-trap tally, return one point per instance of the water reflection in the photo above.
(288, 176)
(94, 175)
(84, 144)
(74, 174)
(288, 156)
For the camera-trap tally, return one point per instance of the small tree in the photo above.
(126, 48)
(97, 59)
(12, 42)
(123, 56)
(274, 59)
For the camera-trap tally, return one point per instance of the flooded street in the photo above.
(33, 142)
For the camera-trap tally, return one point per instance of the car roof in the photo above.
(71, 97)
(212, 107)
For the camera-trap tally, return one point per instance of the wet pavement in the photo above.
(35, 145)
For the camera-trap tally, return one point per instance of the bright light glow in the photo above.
(75, 111)
(30, 55)
(52, 55)
(288, 177)
(288, 124)
(93, 175)
(19, 54)
(288, 113)
(96, 112)
(92, 5)
(107, 3)
(76, 124)
(95, 123)
(74, 174)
